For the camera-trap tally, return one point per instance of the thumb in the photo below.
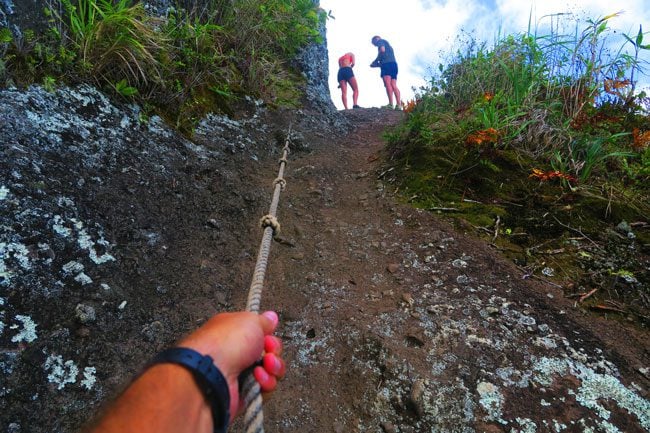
(269, 321)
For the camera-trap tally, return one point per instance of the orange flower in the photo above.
(488, 96)
(641, 139)
(489, 135)
(410, 105)
(544, 176)
(612, 86)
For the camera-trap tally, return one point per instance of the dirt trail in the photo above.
(395, 322)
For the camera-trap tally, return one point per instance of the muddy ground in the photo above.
(119, 236)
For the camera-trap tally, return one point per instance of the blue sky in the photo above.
(421, 30)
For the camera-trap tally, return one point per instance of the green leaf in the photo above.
(5, 35)
(639, 37)
(123, 88)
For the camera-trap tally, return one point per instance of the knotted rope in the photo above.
(253, 417)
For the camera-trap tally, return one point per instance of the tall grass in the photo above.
(196, 59)
(562, 97)
(115, 40)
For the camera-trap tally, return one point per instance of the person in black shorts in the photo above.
(388, 66)
(345, 76)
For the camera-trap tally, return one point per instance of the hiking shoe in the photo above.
(355, 106)
(398, 108)
(390, 107)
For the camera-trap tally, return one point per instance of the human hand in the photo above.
(235, 341)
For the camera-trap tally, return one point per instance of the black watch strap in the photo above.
(207, 376)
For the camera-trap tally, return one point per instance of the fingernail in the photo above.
(271, 344)
(261, 375)
(271, 363)
(271, 315)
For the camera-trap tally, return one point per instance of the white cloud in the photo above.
(420, 30)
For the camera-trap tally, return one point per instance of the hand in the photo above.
(235, 341)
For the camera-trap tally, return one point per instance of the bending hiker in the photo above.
(388, 66)
(345, 76)
(194, 386)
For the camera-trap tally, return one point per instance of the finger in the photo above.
(267, 382)
(269, 321)
(273, 365)
(272, 344)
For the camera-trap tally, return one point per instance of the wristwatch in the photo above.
(208, 377)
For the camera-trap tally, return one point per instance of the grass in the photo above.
(536, 130)
(549, 98)
(545, 134)
(201, 57)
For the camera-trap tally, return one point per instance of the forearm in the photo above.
(165, 398)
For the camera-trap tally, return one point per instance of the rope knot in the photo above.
(283, 159)
(281, 181)
(270, 221)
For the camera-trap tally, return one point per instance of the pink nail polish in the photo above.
(272, 315)
(261, 375)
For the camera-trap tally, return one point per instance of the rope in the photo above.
(253, 416)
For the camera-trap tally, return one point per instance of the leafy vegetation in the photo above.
(198, 58)
(541, 137)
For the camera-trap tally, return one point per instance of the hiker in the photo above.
(194, 386)
(345, 76)
(388, 70)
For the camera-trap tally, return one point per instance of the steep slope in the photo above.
(120, 236)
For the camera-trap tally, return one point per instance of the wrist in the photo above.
(207, 378)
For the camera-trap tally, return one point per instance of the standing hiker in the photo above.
(345, 76)
(388, 66)
(194, 387)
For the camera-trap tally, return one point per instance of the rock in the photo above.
(388, 427)
(408, 298)
(85, 313)
(338, 427)
(527, 321)
(416, 397)
(153, 331)
(458, 263)
(392, 267)
(213, 223)
(415, 337)
(624, 227)
(220, 296)
(548, 272)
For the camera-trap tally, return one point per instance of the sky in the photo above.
(421, 31)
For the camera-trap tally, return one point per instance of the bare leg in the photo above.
(398, 96)
(389, 88)
(344, 93)
(355, 91)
